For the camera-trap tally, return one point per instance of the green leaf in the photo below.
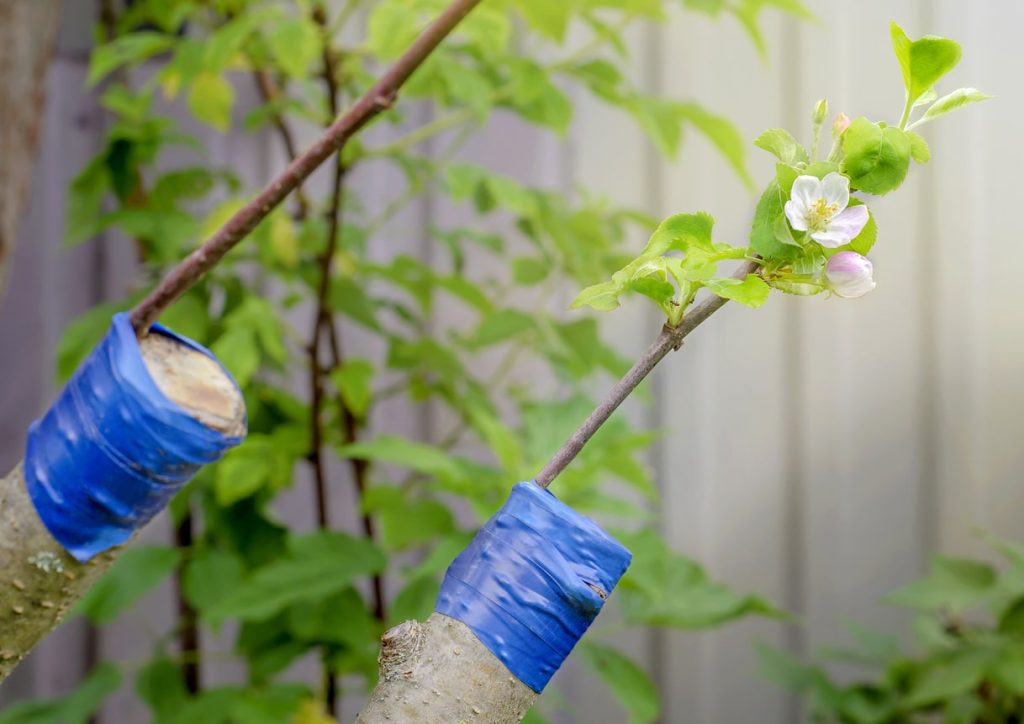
(210, 99)
(952, 583)
(922, 61)
(391, 29)
(751, 292)
(348, 298)
(876, 157)
(952, 101)
(1008, 671)
(723, 136)
(239, 352)
(128, 49)
(629, 683)
(341, 618)
(354, 381)
(785, 669)
(661, 120)
(261, 462)
(133, 574)
(547, 18)
(499, 327)
(295, 43)
(406, 453)
(682, 232)
(769, 234)
(415, 602)
(74, 708)
(781, 144)
(528, 270)
(919, 150)
(160, 684)
(405, 521)
(210, 576)
(603, 297)
(79, 337)
(662, 588)
(85, 218)
(318, 565)
(947, 680)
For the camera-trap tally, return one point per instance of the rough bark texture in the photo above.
(28, 29)
(39, 581)
(439, 671)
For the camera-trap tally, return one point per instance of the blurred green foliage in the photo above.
(968, 662)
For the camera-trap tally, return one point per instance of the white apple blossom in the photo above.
(821, 207)
(850, 275)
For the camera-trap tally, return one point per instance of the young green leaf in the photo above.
(353, 379)
(629, 683)
(950, 102)
(209, 576)
(210, 99)
(681, 232)
(139, 569)
(751, 292)
(604, 297)
(877, 157)
(919, 150)
(723, 136)
(781, 144)
(923, 61)
(126, 50)
(318, 565)
(296, 44)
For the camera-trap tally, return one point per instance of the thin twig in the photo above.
(671, 338)
(376, 100)
(270, 94)
(322, 318)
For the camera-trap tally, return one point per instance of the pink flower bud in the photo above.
(849, 274)
(840, 124)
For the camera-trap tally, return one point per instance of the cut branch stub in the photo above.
(39, 579)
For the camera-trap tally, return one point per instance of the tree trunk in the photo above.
(39, 580)
(439, 672)
(28, 29)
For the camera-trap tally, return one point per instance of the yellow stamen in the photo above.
(820, 214)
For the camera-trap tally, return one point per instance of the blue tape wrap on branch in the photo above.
(532, 581)
(113, 449)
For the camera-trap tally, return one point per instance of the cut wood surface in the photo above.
(39, 580)
(438, 672)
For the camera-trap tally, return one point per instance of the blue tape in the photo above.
(113, 449)
(524, 585)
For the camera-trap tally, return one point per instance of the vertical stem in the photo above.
(188, 636)
(360, 474)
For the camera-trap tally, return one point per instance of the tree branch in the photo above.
(671, 338)
(376, 100)
(39, 580)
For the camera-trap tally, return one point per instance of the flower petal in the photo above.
(806, 190)
(843, 227)
(835, 188)
(850, 275)
(797, 218)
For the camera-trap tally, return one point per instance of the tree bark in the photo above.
(39, 580)
(28, 29)
(439, 672)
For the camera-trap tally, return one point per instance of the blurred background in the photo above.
(817, 451)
